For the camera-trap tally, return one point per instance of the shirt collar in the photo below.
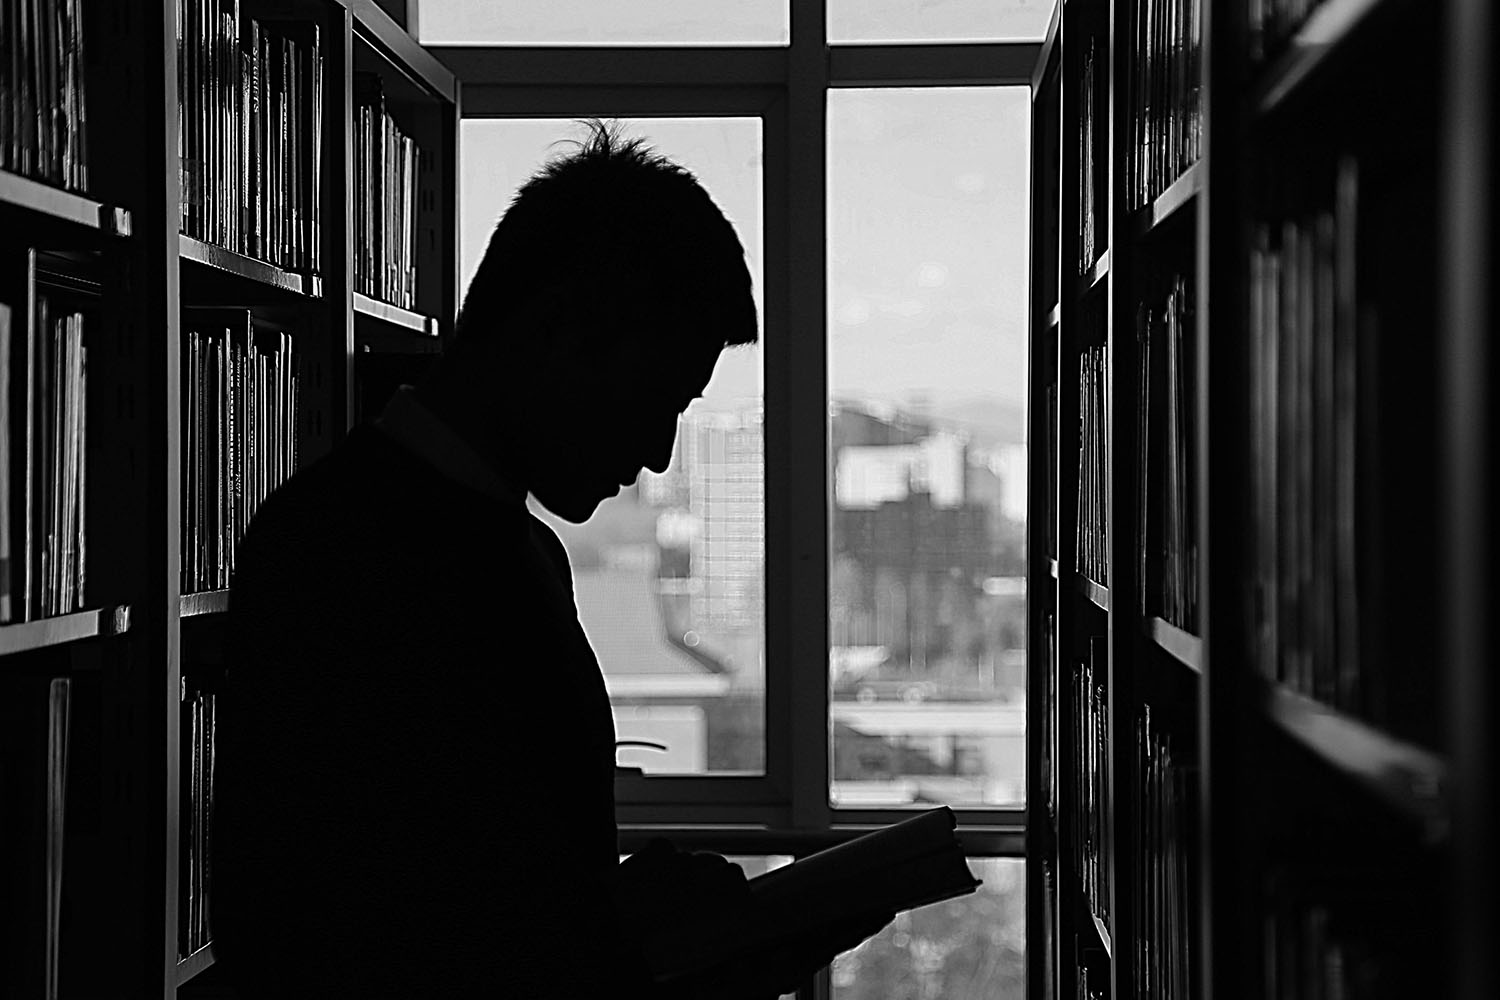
(422, 432)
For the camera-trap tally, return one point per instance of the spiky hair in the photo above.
(634, 228)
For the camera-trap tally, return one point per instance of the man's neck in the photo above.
(468, 417)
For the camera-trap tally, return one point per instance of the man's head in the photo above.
(606, 294)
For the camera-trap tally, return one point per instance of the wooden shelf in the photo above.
(404, 319)
(1097, 594)
(374, 27)
(205, 602)
(258, 271)
(1409, 778)
(55, 203)
(1095, 276)
(1179, 194)
(1326, 31)
(24, 636)
(1182, 646)
(1049, 45)
(198, 961)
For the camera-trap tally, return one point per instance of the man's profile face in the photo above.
(616, 414)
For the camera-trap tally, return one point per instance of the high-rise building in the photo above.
(723, 465)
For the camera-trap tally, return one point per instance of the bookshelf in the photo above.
(139, 257)
(1287, 630)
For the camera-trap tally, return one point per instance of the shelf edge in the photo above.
(406, 319)
(1096, 594)
(199, 961)
(205, 602)
(1181, 193)
(1410, 778)
(68, 206)
(1326, 29)
(232, 262)
(1178, 643)
(22, 637)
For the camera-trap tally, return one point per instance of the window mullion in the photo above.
(797, 365)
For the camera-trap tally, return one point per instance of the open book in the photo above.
(900, 867)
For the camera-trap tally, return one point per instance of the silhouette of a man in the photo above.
(416, 763)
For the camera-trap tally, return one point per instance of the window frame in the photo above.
(787, 810)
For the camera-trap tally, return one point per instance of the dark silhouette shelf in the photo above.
(199, 961)
(55, 203)
(1179, 194)
(258, 271)
(402, 319)
(206, 602)
(1409, 778)
(1182, 646)
(1094, 279)
(1098, 595)
(1326, 31)
(24, 636)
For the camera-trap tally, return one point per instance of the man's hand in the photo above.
(771, 974)
(662, 887)
(662, 891)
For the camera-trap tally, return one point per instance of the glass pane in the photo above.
(668, 575)
(972, 946)
(927, 287)
(933, 20)
(604, 22)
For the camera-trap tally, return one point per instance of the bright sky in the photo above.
(928, 245)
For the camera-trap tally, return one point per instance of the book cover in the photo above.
(910, 864)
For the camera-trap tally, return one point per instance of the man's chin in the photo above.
(574, 509)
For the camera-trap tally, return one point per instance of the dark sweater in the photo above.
(415, 764)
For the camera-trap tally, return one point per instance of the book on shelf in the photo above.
(1053, 427)
(240, 391)
(250, 135)
(1160, 867)
(1166, 549)
(43, 106)
(35, 713)
(10, 476)
(909, 864)
(387, 164)
(1048, 744)
(46, 469)
(198, 740)
(1165, 94)
(1092, 528)
(1306, 359)
(1092, 841)
(1093, 169)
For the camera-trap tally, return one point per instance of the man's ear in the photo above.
(558, 318)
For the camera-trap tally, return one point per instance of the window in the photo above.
(882, 193)
(927, 293)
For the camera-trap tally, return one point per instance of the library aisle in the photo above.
(1261, 558)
